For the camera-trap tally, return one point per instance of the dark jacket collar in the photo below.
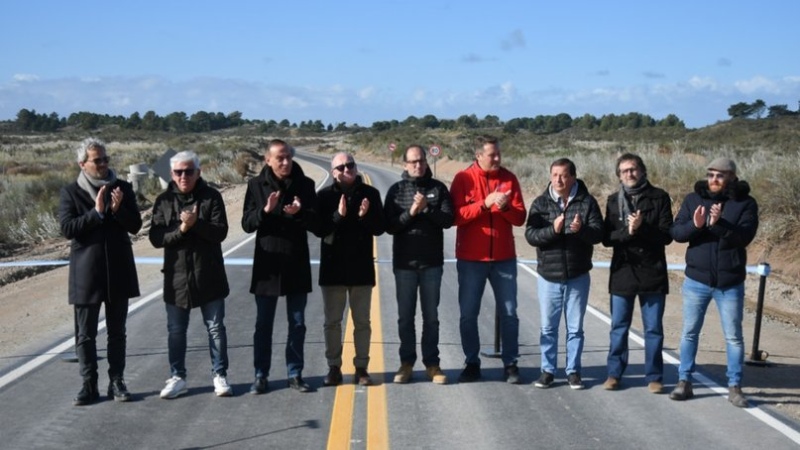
(737, 190)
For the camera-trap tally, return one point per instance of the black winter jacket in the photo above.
(194, 269)
(101, 265)
(346, 250)
(565, 255)
(281, 262)
(419, 240)
(639, 263)
(717, 255)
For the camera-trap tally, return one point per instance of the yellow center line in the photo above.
(377, 416)
(340, 433)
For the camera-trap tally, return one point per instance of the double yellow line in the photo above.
(340, 433)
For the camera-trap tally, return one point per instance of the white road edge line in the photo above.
(754, 411)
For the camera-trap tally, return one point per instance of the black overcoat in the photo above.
(281, 263)
(101, 265)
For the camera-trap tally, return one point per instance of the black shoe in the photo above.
(118, 391)
(683, 391)
(88, 394)
(472, 372)
(511, 373)
(544, 381)
(361, 377)
(334, 377)
(259, 386)
(574, 381)
(299, 385)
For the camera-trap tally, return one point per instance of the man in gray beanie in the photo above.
(718, 220)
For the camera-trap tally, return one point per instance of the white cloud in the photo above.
(705, 83)
(25, 77)
(757, 84)
(698, 100)
(366, 93)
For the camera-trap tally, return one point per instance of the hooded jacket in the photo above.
(564, 256)
(485, 234)
(346, 250)
(281, 262)
(194, 269)
(418, 241)
(717, 255)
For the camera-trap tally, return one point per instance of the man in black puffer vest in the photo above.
(418, 208)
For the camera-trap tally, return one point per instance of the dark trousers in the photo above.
(86, 321)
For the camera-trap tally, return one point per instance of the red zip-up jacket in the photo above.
(485, 234)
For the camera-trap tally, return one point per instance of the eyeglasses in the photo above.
(715, 175)
(350, 165)
(629, 170)
(98, 161)
(181, 172)
(416, 161)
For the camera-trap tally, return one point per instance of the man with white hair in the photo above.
(97, 213)
(189, 223)
(718, 220)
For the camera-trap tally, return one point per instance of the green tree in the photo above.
(758, 108)
(134, 122)
(739, 110)
(176, 122)
(26, 119)
(151, 121)
(200, 121)
(429, 121)
(671, 121)
(586, 121)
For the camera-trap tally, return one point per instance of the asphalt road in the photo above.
(37, 411)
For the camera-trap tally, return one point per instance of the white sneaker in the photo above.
(221, 386)
(176, 386)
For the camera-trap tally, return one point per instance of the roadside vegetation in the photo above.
(34, 165)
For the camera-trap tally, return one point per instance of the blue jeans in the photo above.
(652, 306)
(262, 337)
(178, 323)
(407, 282)
(730, 304)
(502, 276)
(571, 297)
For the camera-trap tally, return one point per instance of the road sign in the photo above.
(392, 146)
(434, 151)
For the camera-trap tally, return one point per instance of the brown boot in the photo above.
(683, 391)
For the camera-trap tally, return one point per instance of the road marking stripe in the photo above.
(341, 430)
(377, 415)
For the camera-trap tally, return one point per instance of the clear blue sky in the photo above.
(364, 61)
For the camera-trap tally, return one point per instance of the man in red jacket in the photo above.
(488, 201)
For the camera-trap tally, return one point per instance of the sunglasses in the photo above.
(182, 172)
(715, 175)
(350, 165)
(98, 161)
